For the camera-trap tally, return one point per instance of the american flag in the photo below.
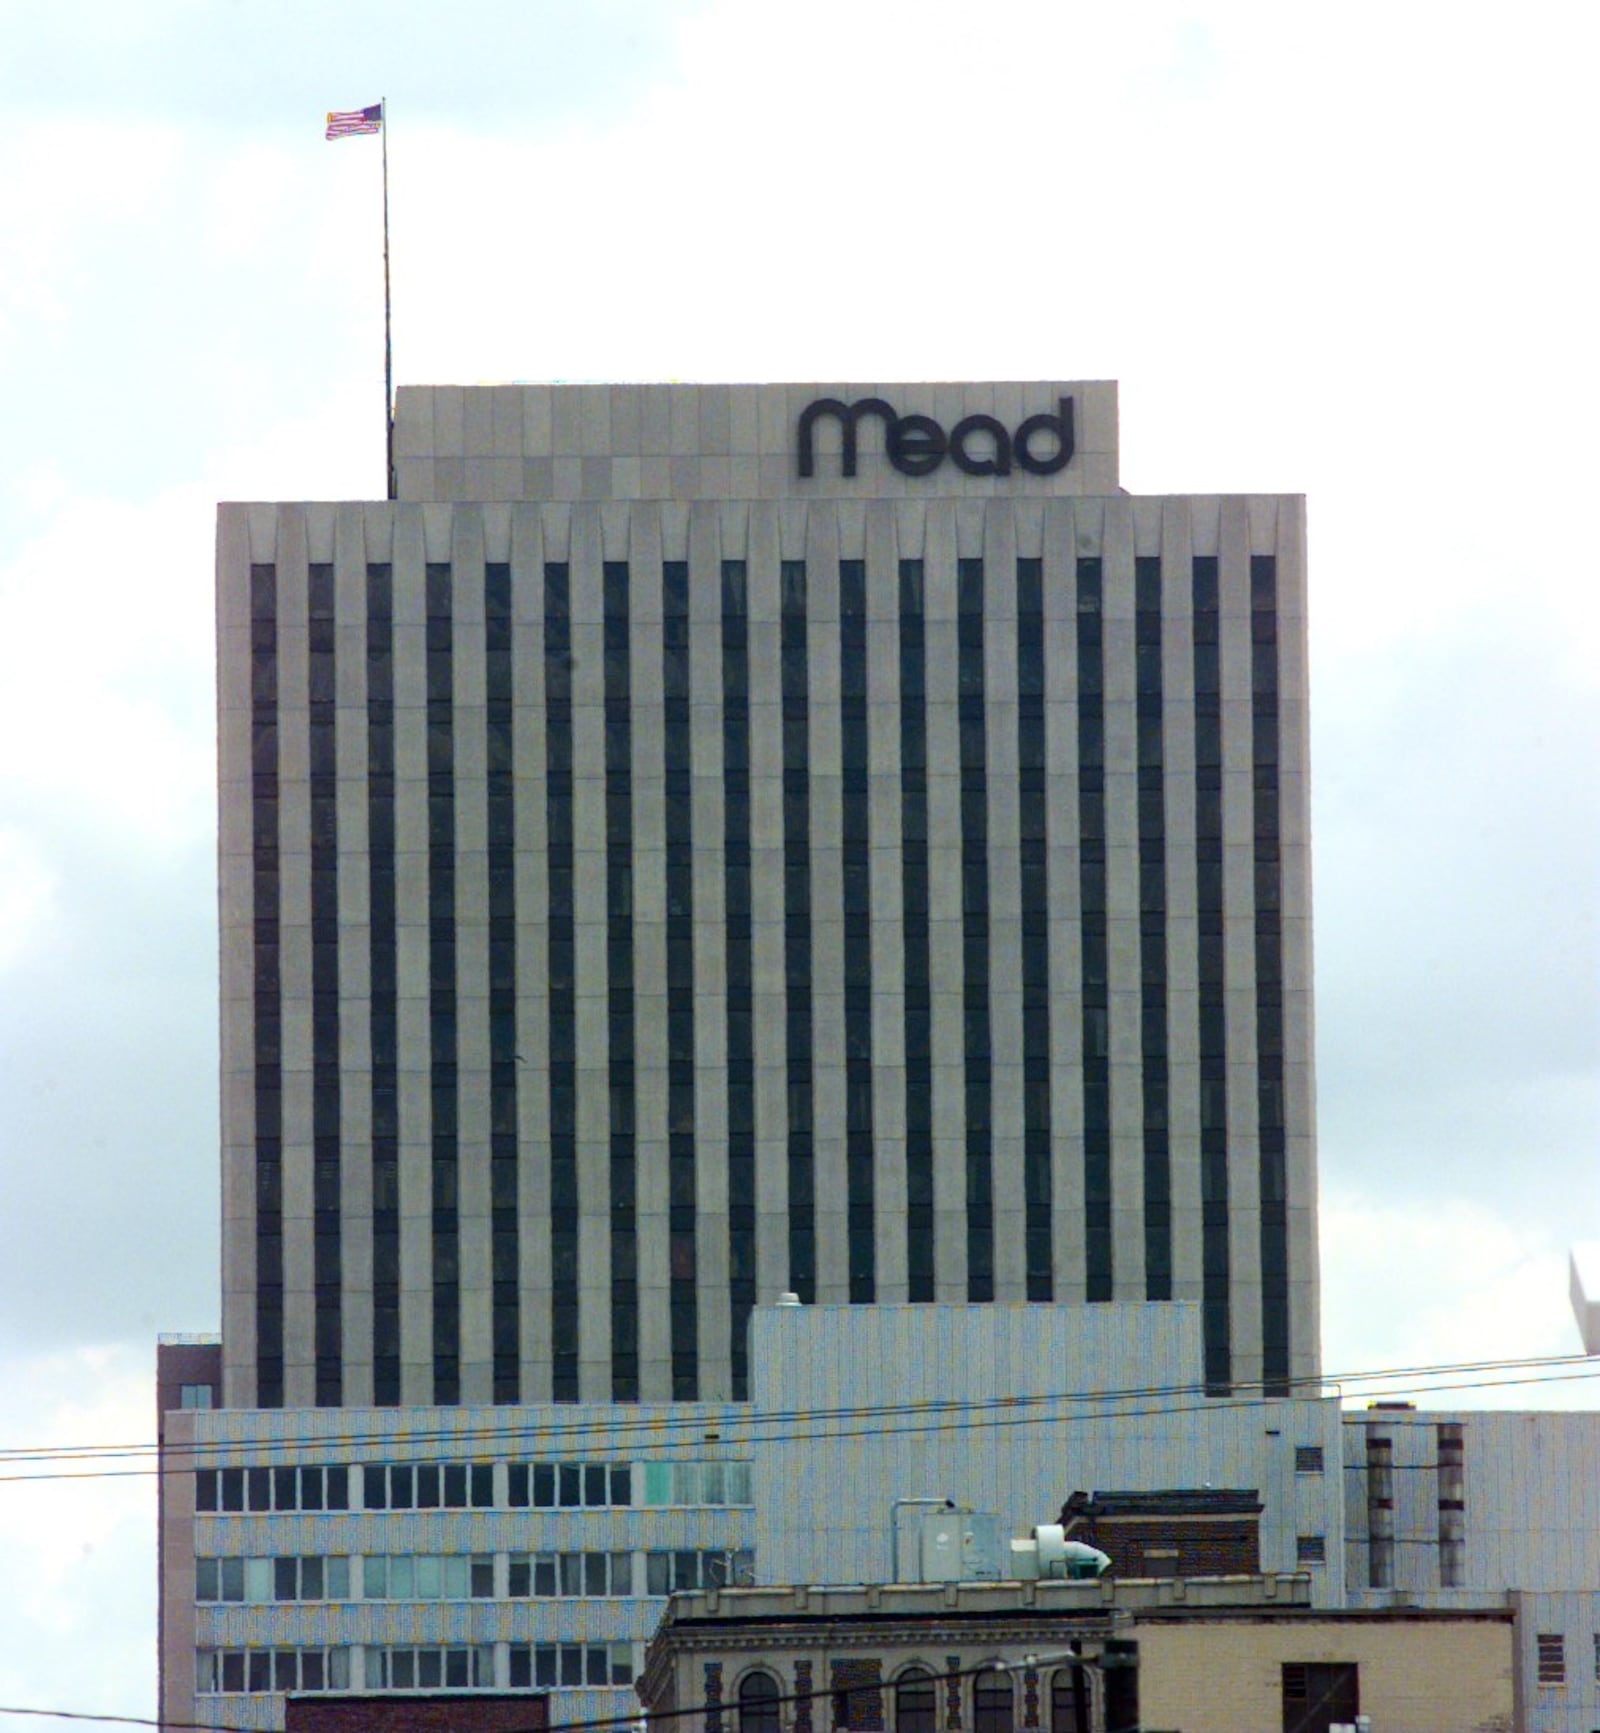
(348, 123)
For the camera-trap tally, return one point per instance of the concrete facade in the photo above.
(1204, 1657)
(659, 872)
(1009, 1409)
(1448, 1509)
(1413, 1672)
(946, 935)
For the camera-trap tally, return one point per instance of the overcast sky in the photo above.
(1343, 251)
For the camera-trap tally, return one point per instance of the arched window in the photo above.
(991, 1703)
(915, 1702)
(1069, 1701)
(758, 1703)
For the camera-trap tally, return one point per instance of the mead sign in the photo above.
(917, 444)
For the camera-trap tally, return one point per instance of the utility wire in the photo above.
(674, 1421)
(729, 1710)
(751, 1433)
(754, 1429)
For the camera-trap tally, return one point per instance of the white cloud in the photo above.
(1446, 1283)
(105, 664)
(27, 894)
(76, 1556)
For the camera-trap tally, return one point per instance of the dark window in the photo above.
(267, 989)
(975, 932)
(740, 978)
(758, 1704)
(561, 985)
(991, 1703)
(915, 1703)
(1094, 934)
(797, 924)
(915, 904)
(1069, 1701)
(1319, 1695)
(1552, 1658)
(1037, 1176)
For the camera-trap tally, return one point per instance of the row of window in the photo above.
(1551, 1657)
(471, 1486)
(466, 1576)
(409, 1667)
(915, 1699)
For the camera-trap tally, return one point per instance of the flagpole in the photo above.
(388, 341)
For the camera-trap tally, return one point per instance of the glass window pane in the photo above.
(428, 1577)
(258, 1579)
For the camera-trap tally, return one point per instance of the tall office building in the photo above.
(705, 841)
(698, 843)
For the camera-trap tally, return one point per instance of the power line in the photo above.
(654, 1425)
(991, 1414)
(596, 1723)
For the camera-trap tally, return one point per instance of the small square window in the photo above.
(1308, 1459)
(1311, 1549)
